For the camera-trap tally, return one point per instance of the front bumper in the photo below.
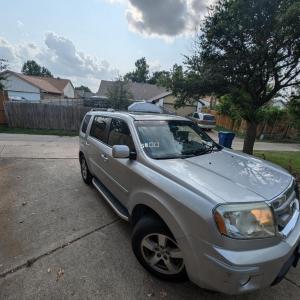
(236, 272)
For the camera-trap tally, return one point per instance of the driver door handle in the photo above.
(104, 157)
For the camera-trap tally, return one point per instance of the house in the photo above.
(138, 91)
(167, 100)
(83, 94)
(155, 94)
(35, 88)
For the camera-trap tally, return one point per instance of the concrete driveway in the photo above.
(60, 240)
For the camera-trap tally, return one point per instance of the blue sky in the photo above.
(97, 39)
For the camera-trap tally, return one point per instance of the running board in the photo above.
(115, 204)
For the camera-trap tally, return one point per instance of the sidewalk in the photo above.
(264, 146)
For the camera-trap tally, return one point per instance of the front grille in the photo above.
(285, 206)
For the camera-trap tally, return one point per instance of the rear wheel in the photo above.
(156, 249)
(85, 173)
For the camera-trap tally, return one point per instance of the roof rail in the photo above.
(103, 109)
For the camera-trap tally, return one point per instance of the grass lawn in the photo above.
(287, 159)
(6, 129)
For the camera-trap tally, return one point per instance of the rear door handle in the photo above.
(104, 157)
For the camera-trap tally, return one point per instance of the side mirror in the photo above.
(120, 151)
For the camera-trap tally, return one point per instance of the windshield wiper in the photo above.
(196, 152)
(175, 156)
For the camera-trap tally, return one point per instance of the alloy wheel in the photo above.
(162, 254)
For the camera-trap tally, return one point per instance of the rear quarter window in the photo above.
(85, 123)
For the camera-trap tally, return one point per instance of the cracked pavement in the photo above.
(60, 240)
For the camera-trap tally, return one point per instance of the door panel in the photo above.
(97, 149)
(120, 171)
(99, 155)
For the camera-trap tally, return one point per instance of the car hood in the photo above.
(227, 176)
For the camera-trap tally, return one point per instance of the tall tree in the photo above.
(45, 72)
(141, 72)
(159, 78)
(83, 88)
(3, 67)
(119, 95)
(294, 108)
(248, 49)
(31, 67)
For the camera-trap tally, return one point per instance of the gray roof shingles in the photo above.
(139, 91)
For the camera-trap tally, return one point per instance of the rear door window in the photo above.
(99, 128)
(119, 134)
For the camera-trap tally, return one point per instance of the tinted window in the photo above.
(208, 118)
(99, 128)
(85, 123)
(196, 115)
(119, 134)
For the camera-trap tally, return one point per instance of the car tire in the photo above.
(157, 251)
(85, 173)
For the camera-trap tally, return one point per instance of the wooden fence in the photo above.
(279, 129)
(44, 115)
(3, 97)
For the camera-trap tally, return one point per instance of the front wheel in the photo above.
(156, 249)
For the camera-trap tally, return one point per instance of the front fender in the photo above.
(168, 213)
(162, 209)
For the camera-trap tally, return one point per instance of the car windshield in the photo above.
(174, 139)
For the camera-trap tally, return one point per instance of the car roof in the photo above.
(138, 116)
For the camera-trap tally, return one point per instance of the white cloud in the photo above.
(165, 18)
(7, 51)
(154, 65)
(61, 57)
(20, 24)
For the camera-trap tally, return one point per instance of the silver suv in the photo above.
(225, 220)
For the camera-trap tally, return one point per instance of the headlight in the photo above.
(245, 221)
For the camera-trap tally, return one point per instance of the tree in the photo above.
(141, 72)
(294, 109)
(83, 88)
(45, 72)
(31, 67)
(176, 83)
(225, 107)
(246, 49)
(3, 67)
(269, 115)
(119, 95)
(159, 78)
